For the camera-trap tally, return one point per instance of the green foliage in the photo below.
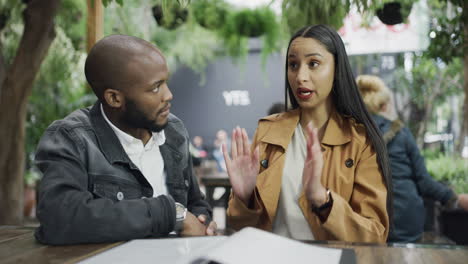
(58, 90)
(210, 28)
(59, 86)
(431, 154)
(107, 2)
(247, 23)
(299, 13)
(133, 18)
(71, 17)
(170, 16)
(11, 28)
(427, 86)
(210, 14)
(451, 170)
(446, 24)
(189, 44)
(202, 43)
(31, 176)
(429, 76)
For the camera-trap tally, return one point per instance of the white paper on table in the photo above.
(250, 245)
(166, 250)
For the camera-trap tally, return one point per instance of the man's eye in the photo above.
(156, 89)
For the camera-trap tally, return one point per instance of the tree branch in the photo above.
(37, 37)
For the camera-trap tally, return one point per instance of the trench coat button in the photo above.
(349, 163)
(120, 196)
(264, 163)
(186, 183)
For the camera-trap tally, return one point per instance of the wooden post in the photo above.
(94, 23)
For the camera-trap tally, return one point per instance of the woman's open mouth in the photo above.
(304, 93)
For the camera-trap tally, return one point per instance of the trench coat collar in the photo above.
(282, 128)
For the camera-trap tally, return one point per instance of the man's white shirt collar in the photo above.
(131, 143)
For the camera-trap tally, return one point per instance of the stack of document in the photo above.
(250, 245)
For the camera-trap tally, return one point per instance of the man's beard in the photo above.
(135, 118)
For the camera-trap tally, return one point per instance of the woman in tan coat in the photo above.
(319, 171)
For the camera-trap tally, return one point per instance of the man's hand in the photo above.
(193, 226)
(211, 228)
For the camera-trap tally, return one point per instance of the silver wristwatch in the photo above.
(181, 213)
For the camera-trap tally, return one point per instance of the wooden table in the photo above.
(17, 245)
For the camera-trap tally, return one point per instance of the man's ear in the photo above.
(114, 98)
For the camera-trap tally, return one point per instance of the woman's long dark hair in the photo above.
(346, 98)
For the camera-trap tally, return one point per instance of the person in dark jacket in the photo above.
(121, 169)
(411, 181)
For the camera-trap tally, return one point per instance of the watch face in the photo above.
(180, 210)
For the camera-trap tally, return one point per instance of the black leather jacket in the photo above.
(91, 192)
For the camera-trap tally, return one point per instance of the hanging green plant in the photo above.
(393, 13)
(249, 23)
(299, 13)
(210, 14)
(170, 16)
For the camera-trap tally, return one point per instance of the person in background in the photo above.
(120, 169)
(197, 151)
(221, 138)
(318, 171)
(411, 181)
(198, 144)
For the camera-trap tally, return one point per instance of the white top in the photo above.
(290, 221)
(147, 157)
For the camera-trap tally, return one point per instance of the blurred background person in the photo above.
(198, 151)
(221, 138)
(411, 181)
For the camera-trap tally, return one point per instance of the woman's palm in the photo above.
(244, 165)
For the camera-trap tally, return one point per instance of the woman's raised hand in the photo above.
(243, 167)
(313, 166)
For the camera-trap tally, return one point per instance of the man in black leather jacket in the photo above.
(121, 169)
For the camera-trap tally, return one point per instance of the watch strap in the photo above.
(326, 205)
(181, 213)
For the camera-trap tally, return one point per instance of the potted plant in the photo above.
(250, 23)
(170, 17)
(299, 13)
(210, 14)
(392, 13)
(452, 171)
